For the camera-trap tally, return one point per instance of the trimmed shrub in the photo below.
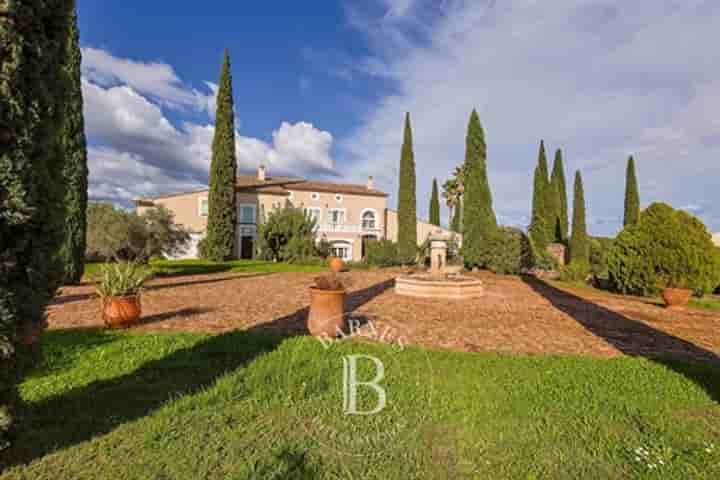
(509, 252)
(666, 248)
(577, 272)
(383, 253)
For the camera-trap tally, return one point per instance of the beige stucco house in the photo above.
(347, 214)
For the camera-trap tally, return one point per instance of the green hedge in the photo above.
(382, 253)
(508, 252)
(667, 248)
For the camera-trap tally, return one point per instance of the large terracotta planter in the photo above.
(676, 297)
(121, 312)
(327, 312)
(336, 264)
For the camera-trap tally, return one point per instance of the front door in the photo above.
(246, 248)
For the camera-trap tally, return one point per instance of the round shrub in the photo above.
(508, 252)
(666, 248)
(382, 253)
(599, 249)
(575, 272)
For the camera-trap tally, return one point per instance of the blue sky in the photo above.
(321, 88)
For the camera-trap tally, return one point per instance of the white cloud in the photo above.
(137, 151)
(155, 79)
(600, 78)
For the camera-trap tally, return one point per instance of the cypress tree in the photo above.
(479, 222)
(75, 173)
(579, 244)
(632, 195)
(435, 205)
(407, 207)
(540, 224)
(32, 92)
(219, 244)
(559, 188)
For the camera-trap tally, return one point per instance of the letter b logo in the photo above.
(351, 383)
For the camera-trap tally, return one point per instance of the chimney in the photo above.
(371, 183)
(261, 173)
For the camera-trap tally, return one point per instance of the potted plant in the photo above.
(327, 306)
(119, 290)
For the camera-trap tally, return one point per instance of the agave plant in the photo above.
(122, 279)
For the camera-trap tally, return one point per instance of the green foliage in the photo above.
(435, 205)
(219, 242)
(559, 188)
(579, 244)
(287, 235)
(632, 195)
(541, 224)
(383, 253)
(113, 233)
(33, 92)
(456, 225)
(122, 279)
(599, 250)
(577, 272)
(666, 248)
(479, 222)
(509, 252)
(407, 214)
(75, 172)
(323, 248)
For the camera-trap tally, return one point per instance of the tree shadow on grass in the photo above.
(97, 408)
(636, 338)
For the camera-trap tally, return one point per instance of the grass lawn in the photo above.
(197, 267)
(709, 302)
(242, 405)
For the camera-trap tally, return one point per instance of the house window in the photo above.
(368, 220)
(315, 196)
(338, 197)
(203, 207)
(336, 216)
(314, 213)
(342, 249)
(247, 214)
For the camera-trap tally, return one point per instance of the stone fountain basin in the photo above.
(444, 286)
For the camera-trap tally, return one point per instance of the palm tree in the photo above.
(453, 189)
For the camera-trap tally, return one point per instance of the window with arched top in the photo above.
(368, 220)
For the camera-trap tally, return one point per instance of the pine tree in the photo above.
(33, 36)
(559, 187)
(75, 173)
(632, 196)
(407, 207)
(540, 224)
(479, 221)
(579, 244)
(219, 244)
(435, 204)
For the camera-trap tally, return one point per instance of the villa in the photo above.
(347, 215)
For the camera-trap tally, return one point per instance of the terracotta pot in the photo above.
(121, 312)
(336, 264)
(676, 297)
(327, 312)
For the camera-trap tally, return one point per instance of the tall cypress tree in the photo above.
(407, 207)
(219, 244)
(479, 221)
(579, 243)
(435, 204)
(632, 195)
(75, 172)
(540, 224)
(32, 93)
(559, 188)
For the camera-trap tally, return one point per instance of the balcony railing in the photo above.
(347, 228)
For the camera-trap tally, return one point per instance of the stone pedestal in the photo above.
(438, 256)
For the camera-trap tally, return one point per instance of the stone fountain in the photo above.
(442, 280)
